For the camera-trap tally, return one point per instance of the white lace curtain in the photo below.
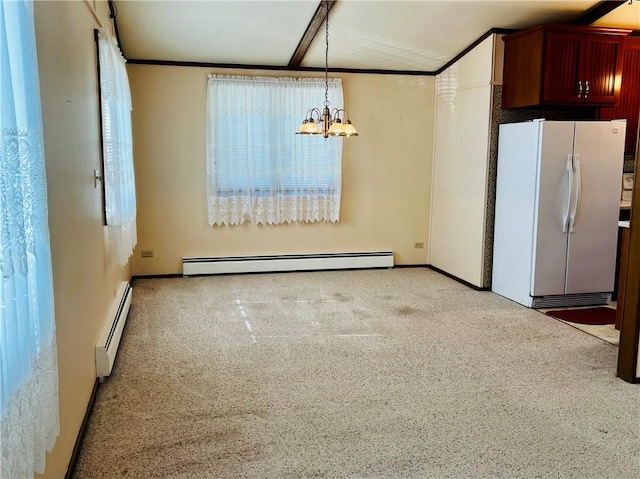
(258, 169)
(28, 367)
(119, 180)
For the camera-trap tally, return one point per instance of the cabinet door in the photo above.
(629, 104)
(564, 53)
(602, 69)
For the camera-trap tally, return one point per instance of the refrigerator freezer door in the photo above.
(518, 154)
(591, 256)
(551, 209)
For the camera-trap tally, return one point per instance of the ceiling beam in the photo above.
(598, 11)
(310, 33)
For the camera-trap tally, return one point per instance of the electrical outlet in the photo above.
(418, 244)
(147, 254)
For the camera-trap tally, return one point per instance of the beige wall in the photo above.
(386, 173)
(83, 283)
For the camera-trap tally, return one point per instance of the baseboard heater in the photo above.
(109, 340)
(288, 262)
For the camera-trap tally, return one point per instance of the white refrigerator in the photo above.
(557, 208)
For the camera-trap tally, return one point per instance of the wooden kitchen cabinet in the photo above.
(563, 65)
(629, 104)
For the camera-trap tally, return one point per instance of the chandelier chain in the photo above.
(323, 121)
(326, 57)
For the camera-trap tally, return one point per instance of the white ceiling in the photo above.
(389, 35)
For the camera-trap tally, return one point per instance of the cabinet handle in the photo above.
(579, 89)
(565, 216)
(586, 89)
(576, 205)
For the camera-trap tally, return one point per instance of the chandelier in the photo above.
(327, 122)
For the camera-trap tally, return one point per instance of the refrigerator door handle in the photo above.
(576, 203)
(565, 216)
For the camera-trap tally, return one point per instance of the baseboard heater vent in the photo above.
(566, 300)
(109, 341)
(292, 262)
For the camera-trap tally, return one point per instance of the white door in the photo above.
(599, 152)
(552, 207)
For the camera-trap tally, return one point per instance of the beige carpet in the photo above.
(362, 374)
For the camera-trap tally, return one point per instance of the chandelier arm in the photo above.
(317, 112)
(341, 113)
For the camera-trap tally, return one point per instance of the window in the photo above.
(28, 366)
(258, 169)
(117, 145)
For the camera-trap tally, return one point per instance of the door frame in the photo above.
(630, 327)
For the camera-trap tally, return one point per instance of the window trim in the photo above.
(103, 193)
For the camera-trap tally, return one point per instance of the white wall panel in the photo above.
(476, 67)
(463, 110)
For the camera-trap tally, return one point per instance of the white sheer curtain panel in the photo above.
(119, 180)
(28, 366)
(258, 169)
